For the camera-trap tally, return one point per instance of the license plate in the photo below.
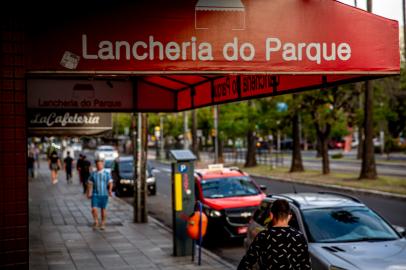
(242, 230)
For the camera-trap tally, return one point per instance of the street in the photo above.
(159, 206)
(395, 167)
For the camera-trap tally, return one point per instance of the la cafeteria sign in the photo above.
(196, 50)
(63, 120)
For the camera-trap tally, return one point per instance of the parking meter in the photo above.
(183, 199)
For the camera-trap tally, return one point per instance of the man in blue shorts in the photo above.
(100, 187)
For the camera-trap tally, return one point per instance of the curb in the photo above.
(336, 187)
(204, 251)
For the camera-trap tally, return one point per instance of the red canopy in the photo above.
(186, 54)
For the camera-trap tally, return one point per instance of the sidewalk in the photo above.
(61, 236)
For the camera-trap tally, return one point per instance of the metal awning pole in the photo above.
(216, 140)
(135, 134)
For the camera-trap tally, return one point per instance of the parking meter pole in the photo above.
(193, 250)
(183, 199)
(200, 232)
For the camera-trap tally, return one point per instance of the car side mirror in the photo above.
(400, 230)
(262, 188)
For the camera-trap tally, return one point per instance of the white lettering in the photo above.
(185, 45)
(124, 44)
(332, 56)
(66, 119)
(152, 45)
(172, 51)
(106, 50)
(135, 50)
(233, 48)
(289, 52)
(193, 48)
(314, 57)
(247, 47)
(270, 49)
(299, 51)
(344, 51)
(205, 52)
(84, 49)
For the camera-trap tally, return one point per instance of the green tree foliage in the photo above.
(327, 109)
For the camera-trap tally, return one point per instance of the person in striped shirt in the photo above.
(100, 187)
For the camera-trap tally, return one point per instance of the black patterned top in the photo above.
(278, 248)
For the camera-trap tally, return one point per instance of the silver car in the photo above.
(343, 233)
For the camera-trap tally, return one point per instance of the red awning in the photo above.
(186, 54)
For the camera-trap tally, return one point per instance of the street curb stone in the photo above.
(336, 187)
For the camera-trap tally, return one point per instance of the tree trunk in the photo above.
(251, 160)
(368, 170)
(221, 151)
(360, 142)
(324, 153)
(318, 147)
(360, 146)
(322, 138)
(297, 164)
(195, 139)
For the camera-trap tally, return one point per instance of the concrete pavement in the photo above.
(61, 236)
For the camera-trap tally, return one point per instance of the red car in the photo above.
(229, 197)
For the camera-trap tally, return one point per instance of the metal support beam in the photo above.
(216, 128)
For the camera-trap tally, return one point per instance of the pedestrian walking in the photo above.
(100, 186)
(68, 161)
(79, 167)
(84, 172)
(36, 155)
(54, 166)
(279, 246)
(30, 165)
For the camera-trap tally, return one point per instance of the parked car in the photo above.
(343, 233)
(108, 164)
(229, 198)
(106, 151)
(77, 147)
(336, 144)
(123, 176)
(263, 145)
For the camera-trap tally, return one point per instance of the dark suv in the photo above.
(122, 172)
